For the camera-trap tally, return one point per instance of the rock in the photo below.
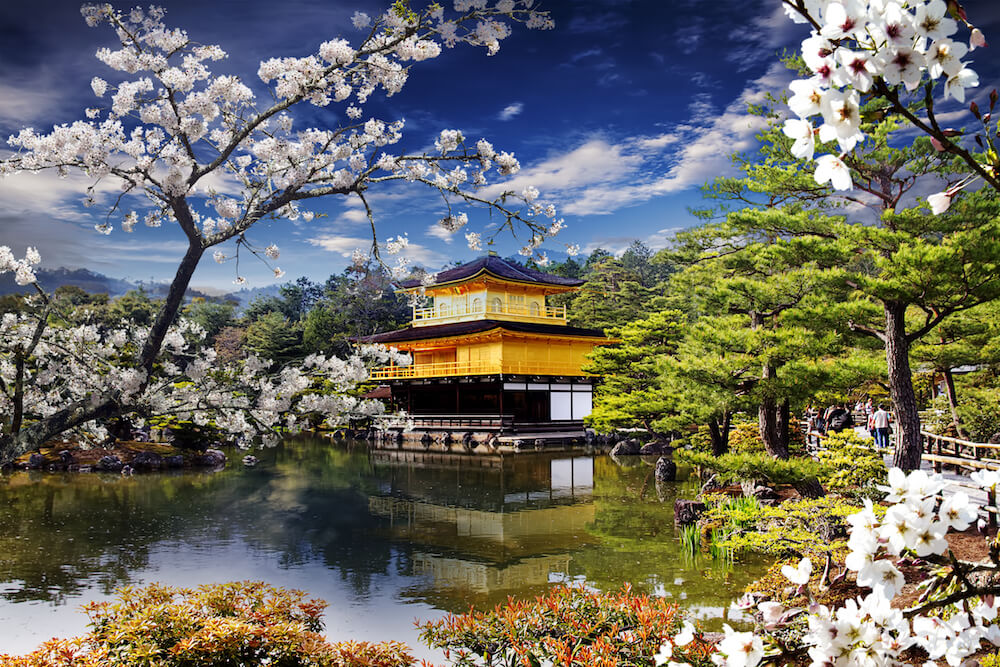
(590, 436)
(754, 489)
(659, 447)
(36, 461)
(666, 470)
(109, 464)
(127, 470)
(66, 456)
(995, 439)
(149, 460)
(468, 441)
(176, 461)
(539, 444)
(86, 468)
(688, 511)
(210, 457)
(249, 461)
(625, 448)
(711, 484)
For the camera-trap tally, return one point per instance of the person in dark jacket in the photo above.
(840, 419)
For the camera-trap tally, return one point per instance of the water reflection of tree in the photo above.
(309, 502)
(639, 545)
(66, 533)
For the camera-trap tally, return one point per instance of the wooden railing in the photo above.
(483, 422)
(942, 450)
(442, 312)
(478, 367)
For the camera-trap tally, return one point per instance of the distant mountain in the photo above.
(249, 294)
(98, 283)
(48, 280)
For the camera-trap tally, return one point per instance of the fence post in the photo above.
(991, 502)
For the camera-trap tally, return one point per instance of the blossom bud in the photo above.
(977, 39)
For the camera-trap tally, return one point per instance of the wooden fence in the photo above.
(942, 451)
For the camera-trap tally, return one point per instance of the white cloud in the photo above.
(439, 232)
(346, 245)
(511, 110)
(25, 103)
(353, 215)
(600, 176)
(341, 245)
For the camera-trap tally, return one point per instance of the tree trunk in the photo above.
(785, 423)
(810, 488)
(949, 383)
(767, 411)
(767, 417)
(904, 401)
(720, 434)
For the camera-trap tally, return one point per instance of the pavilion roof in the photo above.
(500, 268)
(477, 326)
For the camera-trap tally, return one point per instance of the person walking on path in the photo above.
(880, 426)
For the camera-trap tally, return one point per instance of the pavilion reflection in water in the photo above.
(485, 527)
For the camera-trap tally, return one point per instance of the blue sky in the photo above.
(618, 116)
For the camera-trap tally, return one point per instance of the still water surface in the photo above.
(384, 537)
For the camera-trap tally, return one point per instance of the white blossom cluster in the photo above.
(24, 274)
(245, 400)
(164, 122)
(869, 631)
(854, 45)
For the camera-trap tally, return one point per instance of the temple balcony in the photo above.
(507, 311)
(479, 367)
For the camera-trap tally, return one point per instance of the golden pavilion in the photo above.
(489, 353)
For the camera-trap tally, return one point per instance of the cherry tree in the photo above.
(204, 152)
(893, 53)
(89, 365)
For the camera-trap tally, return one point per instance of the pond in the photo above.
(385, 537)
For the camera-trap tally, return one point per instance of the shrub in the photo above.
(852, 463)
(566, 626)
(222, 625)
(991, 660)
(806, 527)
(744, 438)
(735, 468)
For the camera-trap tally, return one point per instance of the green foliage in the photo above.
(222, 625)
(184, 433)
(210, 315)
(978, 412)
(274, 337)
(805, 527)
(852, 463)
(614, 294)
(566, 626)
(744, 438)
(135, 306)
(990, 660)
(357, 303)
(632, 393)
(736, 468)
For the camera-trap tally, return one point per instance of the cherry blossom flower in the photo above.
(831, 168)
(803, 133)
(798, 574)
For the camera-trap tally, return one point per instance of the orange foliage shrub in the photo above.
(219, 625)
